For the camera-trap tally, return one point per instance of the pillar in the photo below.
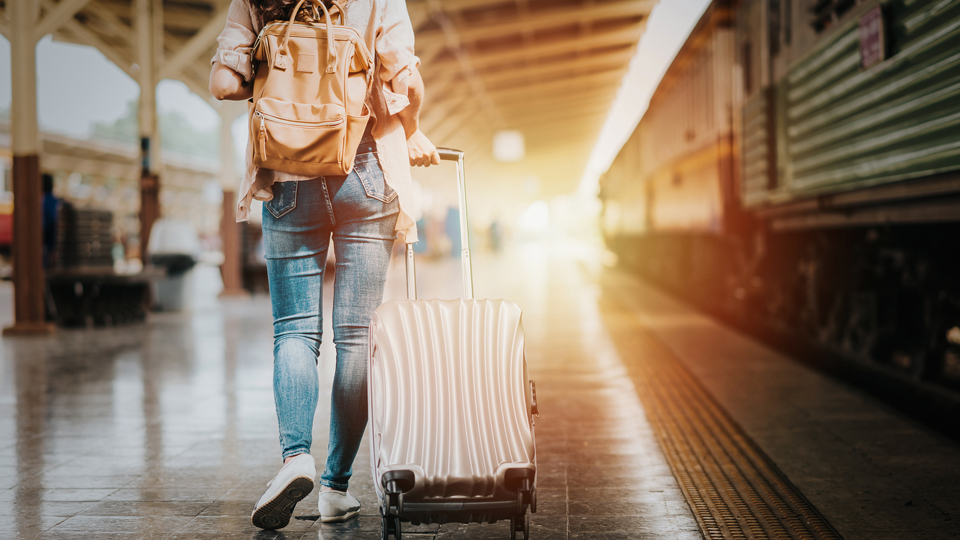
(230, 231)
(148, 25)
(28, 276)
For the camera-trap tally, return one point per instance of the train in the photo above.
(797, 172)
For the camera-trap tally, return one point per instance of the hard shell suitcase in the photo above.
(451, 409)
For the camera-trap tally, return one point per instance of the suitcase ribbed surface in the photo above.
(449, 394)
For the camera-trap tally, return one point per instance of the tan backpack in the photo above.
(309, 95)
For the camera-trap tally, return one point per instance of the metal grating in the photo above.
(733, 488)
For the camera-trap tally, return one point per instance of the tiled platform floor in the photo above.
(167, 430)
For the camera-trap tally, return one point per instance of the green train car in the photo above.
(798, 172)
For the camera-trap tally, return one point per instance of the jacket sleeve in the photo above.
(235, 43)
(394, 48)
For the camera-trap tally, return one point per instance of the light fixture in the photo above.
(508, 146)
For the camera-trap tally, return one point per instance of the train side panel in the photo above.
(844, 115)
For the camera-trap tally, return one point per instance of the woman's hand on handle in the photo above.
(422, 152)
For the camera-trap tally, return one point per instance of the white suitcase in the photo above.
(451, 409)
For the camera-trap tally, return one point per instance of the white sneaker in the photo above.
(337, 506)
(288, 487)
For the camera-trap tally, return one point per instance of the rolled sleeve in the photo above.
(395, 46)
(396, 99)
(235, 42)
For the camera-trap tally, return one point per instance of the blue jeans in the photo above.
(361, 213)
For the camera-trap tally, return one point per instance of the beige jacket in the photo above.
(386, 29)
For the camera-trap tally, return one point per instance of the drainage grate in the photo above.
(733, 488)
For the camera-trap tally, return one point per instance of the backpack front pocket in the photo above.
(298, 133)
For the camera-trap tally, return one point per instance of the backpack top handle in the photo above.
(331, 49)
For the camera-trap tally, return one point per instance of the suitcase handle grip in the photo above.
(449, 154)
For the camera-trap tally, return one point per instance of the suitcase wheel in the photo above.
(389, 525)
(526, 495)
(520, 524)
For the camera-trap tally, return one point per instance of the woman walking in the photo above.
(364, 211)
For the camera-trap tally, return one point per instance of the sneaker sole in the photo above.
(276, 513)
(344, 517)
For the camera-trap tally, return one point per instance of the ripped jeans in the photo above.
(360, 211)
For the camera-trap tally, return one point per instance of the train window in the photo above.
(773, 26)
(747, 63)
(840, 7)
(787, 21)
(826, 12)
(822, 11)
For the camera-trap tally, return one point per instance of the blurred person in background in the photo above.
(496, 236)
(364, 216)
(50, 205)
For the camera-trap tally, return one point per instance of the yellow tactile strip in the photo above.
(734, 489)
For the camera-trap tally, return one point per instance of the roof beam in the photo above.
(56, 17)
(628, 37)
(561, 129)
(547, 18)
(589, 80)
(440, 110)
(109, 19)
(437, 110)
(179, 17)
(453, 41)
(568, 84)
(462, 5)
(195, 46)
(455, 6)
(560, 95)
(538, 118)
(81, 33)
(436, 113)
(453, 122)
(525, 110)
(601, 62)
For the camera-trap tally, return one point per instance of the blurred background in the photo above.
(539, 95)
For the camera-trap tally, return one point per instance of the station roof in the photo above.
(548, 68)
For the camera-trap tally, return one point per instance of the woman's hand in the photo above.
(422, 152)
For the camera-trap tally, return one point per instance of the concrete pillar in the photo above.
(148, 26)
(230, 231)
(28, 276)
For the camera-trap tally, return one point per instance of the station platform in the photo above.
(656, 422)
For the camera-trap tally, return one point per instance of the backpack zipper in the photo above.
(277, 119)
(263, 139)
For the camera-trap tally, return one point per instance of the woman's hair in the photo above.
(273, 10)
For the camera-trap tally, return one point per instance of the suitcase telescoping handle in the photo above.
(448, 154)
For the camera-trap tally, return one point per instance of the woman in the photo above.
(364, 211)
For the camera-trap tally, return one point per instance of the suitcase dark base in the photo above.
(471, 512)
(394, 511)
